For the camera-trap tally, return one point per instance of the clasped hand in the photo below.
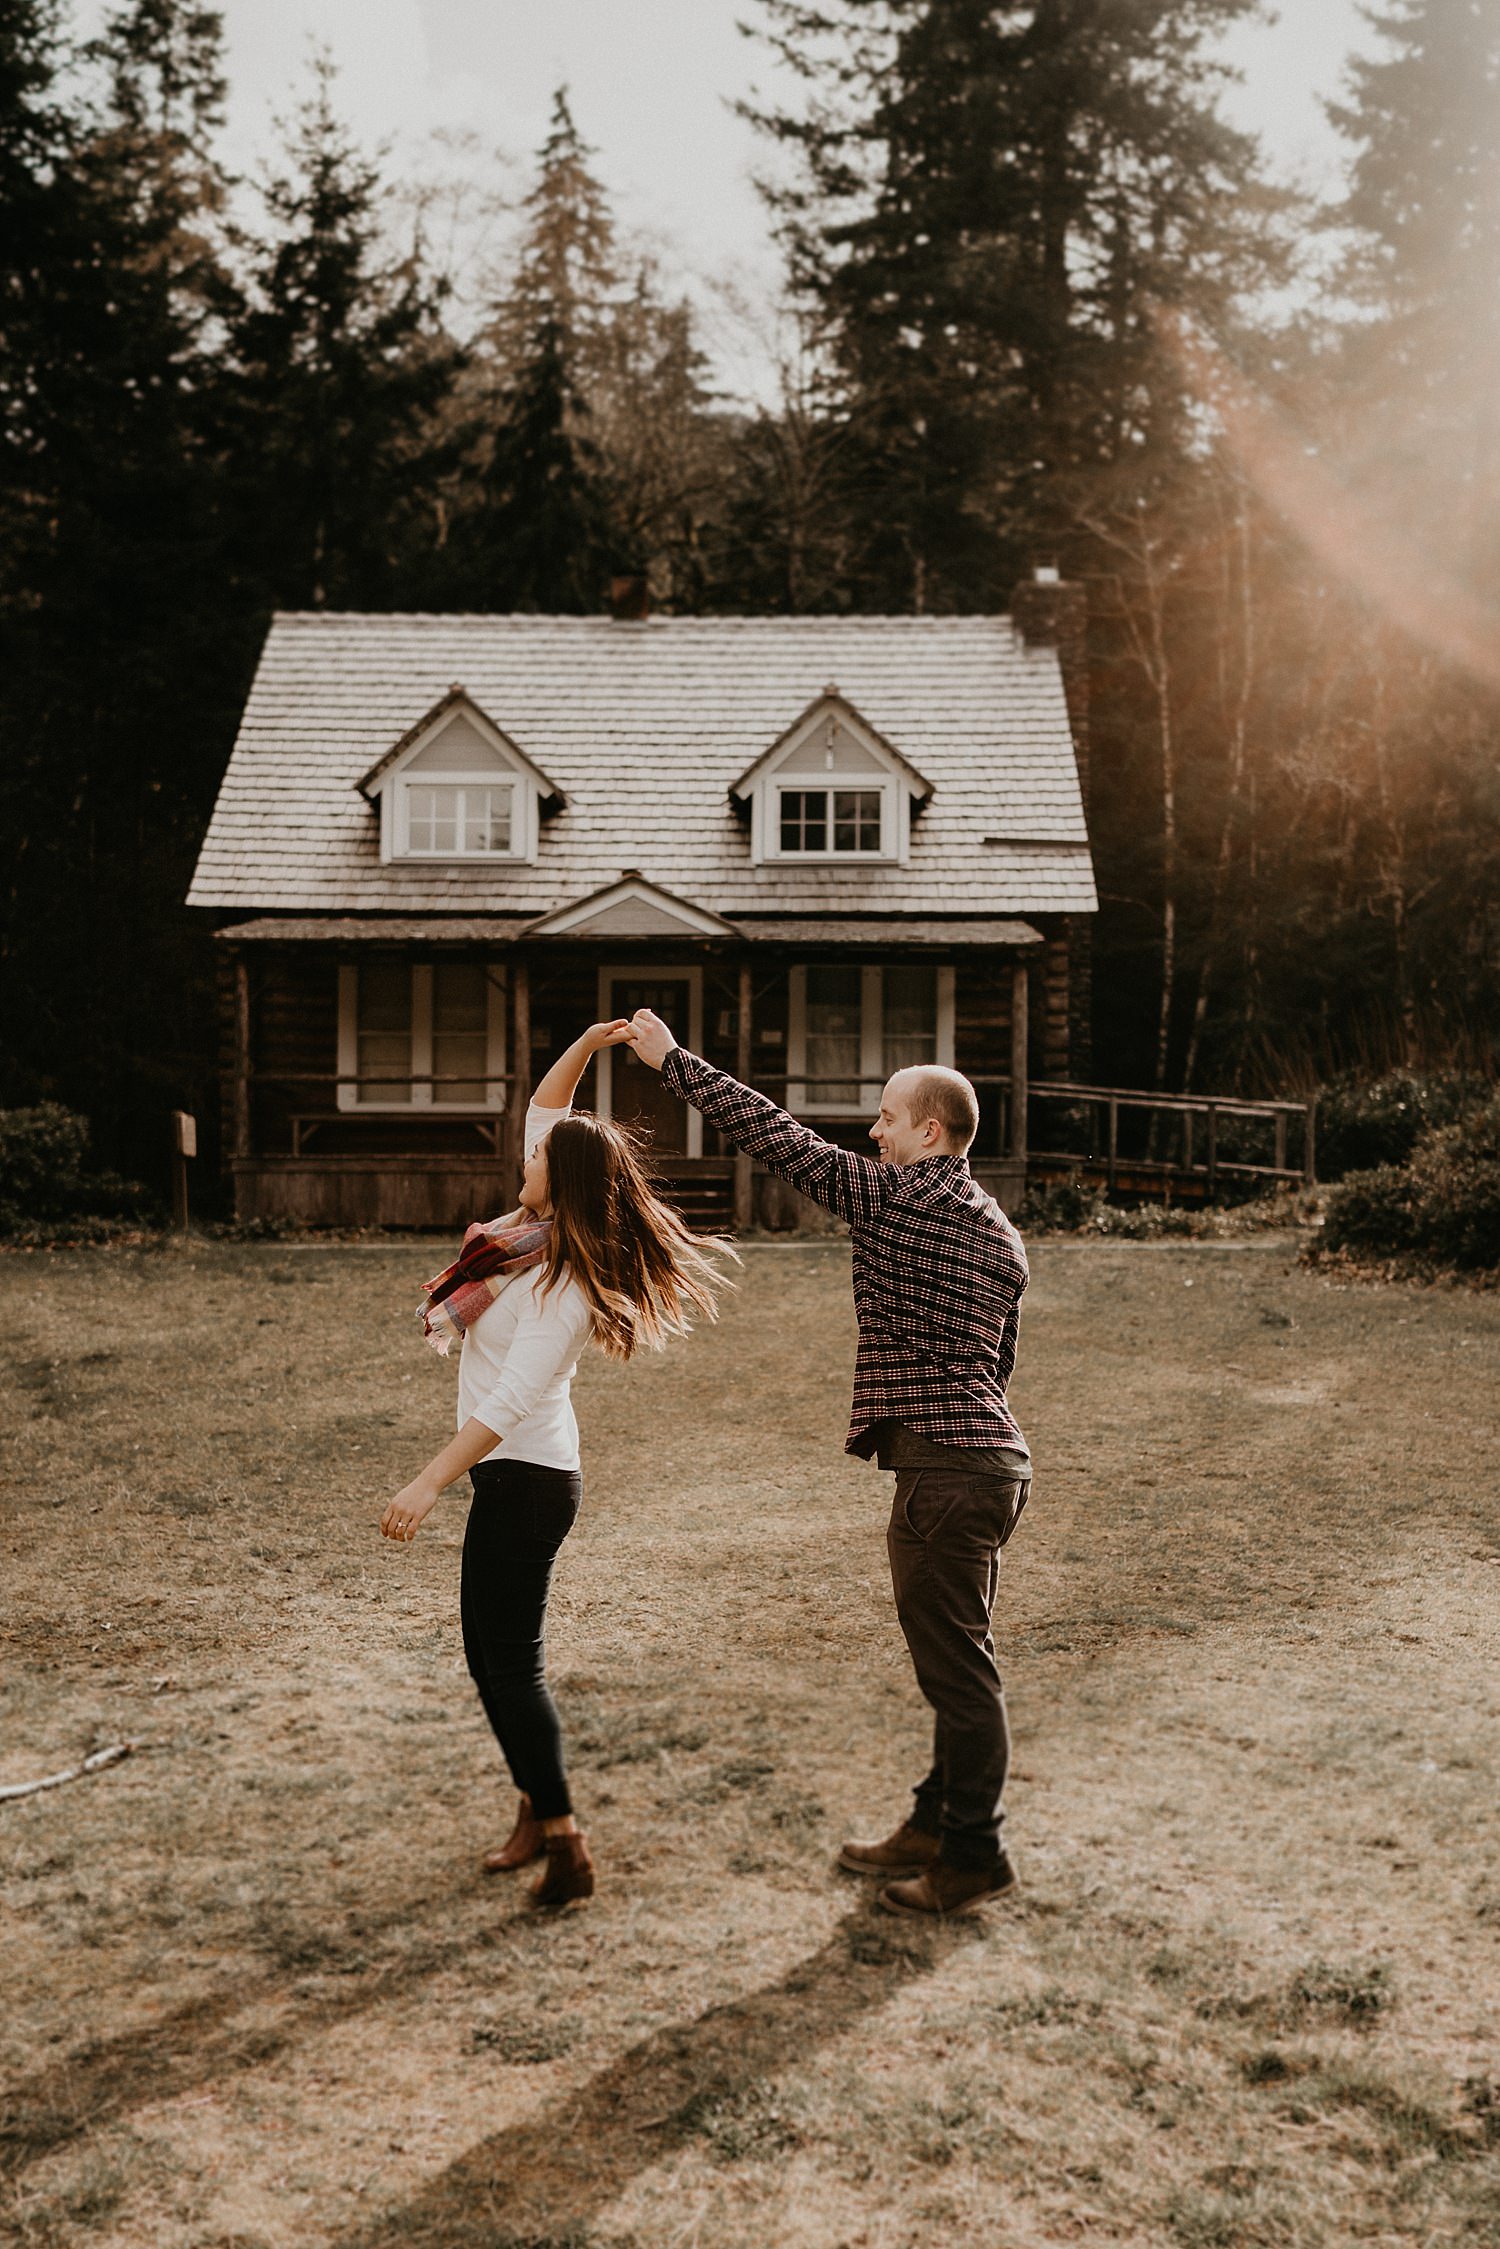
(650, 1038)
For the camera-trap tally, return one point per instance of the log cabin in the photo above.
(820, 847)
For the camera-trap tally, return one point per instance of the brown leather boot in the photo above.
(521, 1846)
(908, 1851)
(569, 1872)
(949, 1889)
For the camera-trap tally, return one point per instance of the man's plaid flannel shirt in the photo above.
(939, 1270)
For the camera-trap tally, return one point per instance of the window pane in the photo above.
(383, 1023)
(910, 1017)
(419, 818)
(497, 819)
(460, 1029)
(486, 819)
(833, 1034)
(804, 819)
(856, 819)
(432, 817)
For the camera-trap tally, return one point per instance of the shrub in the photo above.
(44, 1174)
(1443, 1208)
(1062, 1207)
(1364, 1123)
(1370, 1213)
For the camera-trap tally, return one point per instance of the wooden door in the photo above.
(637, 1096)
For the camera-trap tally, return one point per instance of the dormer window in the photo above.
(831, 789)
(457, 819)
(839, 820)
(457, 788)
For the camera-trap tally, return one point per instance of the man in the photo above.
(939, 1272)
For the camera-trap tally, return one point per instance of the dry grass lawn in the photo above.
(256, 1994)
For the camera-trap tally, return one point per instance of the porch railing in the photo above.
(1127, 1137)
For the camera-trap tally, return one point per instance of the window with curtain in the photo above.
(421, 1033)
(460, 1030)
(835, 1020)
(908, 1017)
(385, 1027)
(853, 1024)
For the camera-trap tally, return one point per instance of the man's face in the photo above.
(898, 1139)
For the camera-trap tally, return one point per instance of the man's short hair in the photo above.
(932, 1091)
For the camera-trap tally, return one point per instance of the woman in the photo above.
(614, 1266)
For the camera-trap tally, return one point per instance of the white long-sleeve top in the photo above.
(518, 1361)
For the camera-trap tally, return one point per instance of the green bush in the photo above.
(45, 1177)
(1364, 1123)
(1443, 1208)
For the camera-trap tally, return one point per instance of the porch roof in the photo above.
(876, 932)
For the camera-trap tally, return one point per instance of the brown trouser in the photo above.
(945, 1536)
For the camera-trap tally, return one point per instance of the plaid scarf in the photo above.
(491, 1255)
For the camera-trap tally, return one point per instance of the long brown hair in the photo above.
(640, 1270)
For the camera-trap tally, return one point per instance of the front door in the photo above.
(637, 1097)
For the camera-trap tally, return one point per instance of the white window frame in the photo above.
(871, 1040)
(604, 1073)
(811, 784)
(880, 769)
(423, 1102)
(491, 780)
(508, 768)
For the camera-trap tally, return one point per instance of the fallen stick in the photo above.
(92, 1764)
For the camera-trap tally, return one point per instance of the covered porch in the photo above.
(376, 1072)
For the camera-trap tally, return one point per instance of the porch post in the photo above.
(1020, 992)
(518, 1091)
(743, 1191)
(240, 1121)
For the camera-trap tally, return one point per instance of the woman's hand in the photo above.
(408, 1511)
(558, 1087)
(411, 1508)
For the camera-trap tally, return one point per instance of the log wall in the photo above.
(424, 1171)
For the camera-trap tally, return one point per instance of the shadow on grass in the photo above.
(204, 2040)
(543, 2181)
(563, 2166)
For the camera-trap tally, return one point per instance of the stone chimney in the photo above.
(1050, 611)
(629, 600)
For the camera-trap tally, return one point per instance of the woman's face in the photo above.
(536, 1189)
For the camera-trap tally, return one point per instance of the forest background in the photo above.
(1044, 304)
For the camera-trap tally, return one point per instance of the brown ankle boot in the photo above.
(569, 1872)
(521, 1846)
(909, 1851)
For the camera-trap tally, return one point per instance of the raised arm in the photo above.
(558, 1087)
(853, 1186)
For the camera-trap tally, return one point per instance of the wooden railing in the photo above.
(1130, 1139)
(1190, 1124)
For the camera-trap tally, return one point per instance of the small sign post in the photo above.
(184, 1145)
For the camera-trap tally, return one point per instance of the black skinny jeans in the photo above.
(520, 1516)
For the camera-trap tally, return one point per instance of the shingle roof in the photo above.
(645, 726)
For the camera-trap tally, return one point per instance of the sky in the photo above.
(651, 83)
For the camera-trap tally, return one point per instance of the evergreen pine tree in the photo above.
(566, 276)
(343, 364)
(1424, 211)
(120, 653)
(534, 530)
(991, 203)
(543, 535)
